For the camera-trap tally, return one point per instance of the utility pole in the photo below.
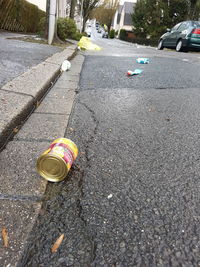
(52, 20)
(47, 18)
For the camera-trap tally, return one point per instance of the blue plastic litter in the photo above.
(135, 72)
(142, 60)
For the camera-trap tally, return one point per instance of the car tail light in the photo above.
(196, 31)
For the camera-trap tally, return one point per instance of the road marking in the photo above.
(185, 59)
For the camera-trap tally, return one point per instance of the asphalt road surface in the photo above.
(17, 56)
(133, 196)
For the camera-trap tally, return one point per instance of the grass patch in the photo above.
(39, 40)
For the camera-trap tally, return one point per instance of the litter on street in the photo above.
(142, 60)
(66, 65)
(55, 163)
(135, 72)
(86, 44)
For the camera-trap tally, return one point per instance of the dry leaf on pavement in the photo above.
(15, 130)
(57, 243)
(5, 237)
(37, 104)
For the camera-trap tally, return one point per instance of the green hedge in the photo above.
(19, 15)
(112, 34)
(66, 28)
(122, 34)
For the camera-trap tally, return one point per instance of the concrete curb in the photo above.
(23, 190)
(20, 96)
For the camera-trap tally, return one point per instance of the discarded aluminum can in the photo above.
(142, 60)
(55, 163)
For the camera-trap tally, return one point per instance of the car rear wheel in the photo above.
(179, 46)
(160, 45)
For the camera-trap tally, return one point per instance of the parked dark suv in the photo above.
(183, 37)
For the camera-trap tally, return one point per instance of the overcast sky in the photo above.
(40, 3)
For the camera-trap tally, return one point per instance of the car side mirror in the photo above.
(168, 30)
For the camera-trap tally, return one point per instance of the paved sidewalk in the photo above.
(17, 54)
(20, 96)
(22, 189)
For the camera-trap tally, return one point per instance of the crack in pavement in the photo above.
(81, 181)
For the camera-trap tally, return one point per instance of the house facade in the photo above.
(123, 16)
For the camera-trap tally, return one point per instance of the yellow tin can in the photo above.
(56, 161)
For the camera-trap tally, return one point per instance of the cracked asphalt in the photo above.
(132, 197)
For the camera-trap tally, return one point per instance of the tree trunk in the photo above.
(72, 9)
(84, 22)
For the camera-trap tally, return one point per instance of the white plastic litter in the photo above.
(66, 65)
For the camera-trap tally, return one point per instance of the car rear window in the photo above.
(176, 27)
(196, 24)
